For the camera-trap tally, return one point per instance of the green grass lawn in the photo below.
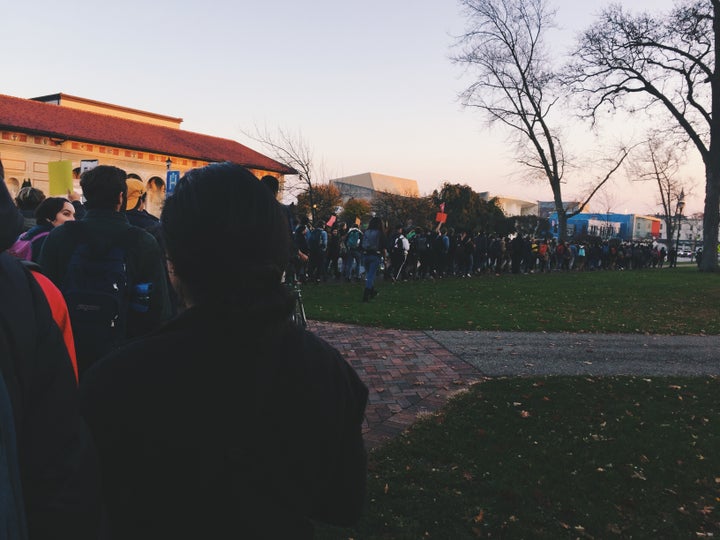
(669, 301)
(547, 457)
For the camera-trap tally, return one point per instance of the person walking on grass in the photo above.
(374, 246)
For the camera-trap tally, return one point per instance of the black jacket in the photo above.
(227, 423)
(58, 463)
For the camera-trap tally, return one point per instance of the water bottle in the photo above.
(140, 300)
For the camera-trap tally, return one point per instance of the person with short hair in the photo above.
(105, 224)
(229, 421)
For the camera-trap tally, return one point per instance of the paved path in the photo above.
(410, 373)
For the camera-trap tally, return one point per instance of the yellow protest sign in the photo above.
(60, 175)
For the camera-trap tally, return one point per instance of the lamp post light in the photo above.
(168, 162)
(678, 215)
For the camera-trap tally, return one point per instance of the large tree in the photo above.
(404, 211)
(355, 209)
(517, 85)
(666, 64)
(320, 203)
(467, 211)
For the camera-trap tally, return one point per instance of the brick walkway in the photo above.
(408, 374)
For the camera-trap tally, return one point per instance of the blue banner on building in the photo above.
(171, 181)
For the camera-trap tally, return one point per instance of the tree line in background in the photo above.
(465, 209)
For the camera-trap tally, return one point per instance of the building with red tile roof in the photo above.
(61, 127)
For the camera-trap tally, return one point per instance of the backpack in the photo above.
(315, 242)
(399, 245)
(371, 240)
(353, 239)
(22, 248)
(99, 294)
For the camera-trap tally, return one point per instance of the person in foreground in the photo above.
(228, 421)
(49, 472)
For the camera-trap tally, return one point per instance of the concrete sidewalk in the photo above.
(541, 353)
(410, 373)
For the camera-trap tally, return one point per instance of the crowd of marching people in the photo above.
(335, 253)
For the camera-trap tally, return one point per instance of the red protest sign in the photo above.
(441, 217)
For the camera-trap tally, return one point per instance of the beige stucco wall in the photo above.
(27, 157)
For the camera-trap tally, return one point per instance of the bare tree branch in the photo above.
(666, 63)
(293, 150)
(517, 85)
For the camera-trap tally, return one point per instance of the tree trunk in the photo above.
(709, 261)
(711, 160)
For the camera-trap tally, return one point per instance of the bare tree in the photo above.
(516, 85)
(661, 63)
(293, 150)
(660, 162)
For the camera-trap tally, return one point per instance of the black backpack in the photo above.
(99, 293)
(421, 243)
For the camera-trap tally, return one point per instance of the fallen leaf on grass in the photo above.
(706, 510)
(524, 414)
(387, 488)
(479, 517)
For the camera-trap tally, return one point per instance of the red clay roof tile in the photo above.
(34, 117)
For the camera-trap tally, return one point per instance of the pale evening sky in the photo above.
(369, 86)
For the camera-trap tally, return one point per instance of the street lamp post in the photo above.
(678, 215)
